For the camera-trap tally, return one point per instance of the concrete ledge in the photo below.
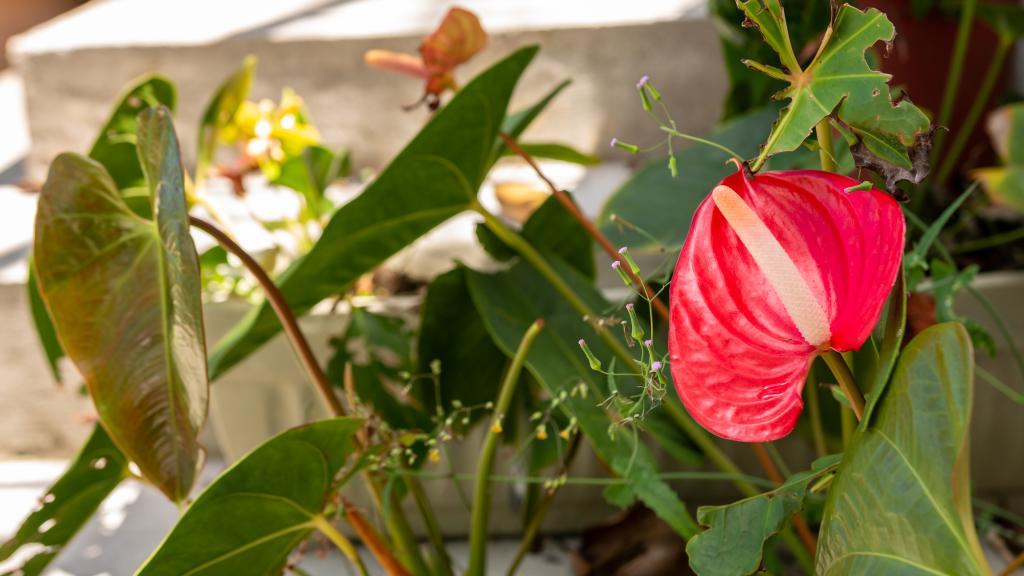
(75, 66)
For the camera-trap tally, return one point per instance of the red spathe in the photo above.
(737, 346)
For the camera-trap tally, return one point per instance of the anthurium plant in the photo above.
(779, 310)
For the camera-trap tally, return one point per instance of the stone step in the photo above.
(74, 66)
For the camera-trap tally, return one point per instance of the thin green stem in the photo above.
(989, 242)
(596, 480)
(433, 527)
(704, 141)
(817, 429)
(399, 529)
(841, 371)
(1004, 331)
(708, 446)
(344, 544)
(963, 39)
(847, 425)
(482, 491)
(824, 134)
(780, 462)
(977, 108)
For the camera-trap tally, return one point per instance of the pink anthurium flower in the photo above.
(776, 268)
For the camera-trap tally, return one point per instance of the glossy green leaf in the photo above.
(124, 296)
(251, 517)
(515, 123)
(433, 179)
(43, 324)
(114, 147)
(901, 501)
(733, 543)
(550, 229)
(453, 334)
(838, 80)
(882, 364)
(68, 504)
(661, 207)
(219, 112)
(555, 151)
(509, 302)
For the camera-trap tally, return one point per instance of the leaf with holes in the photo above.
(251, 517)
(901, 501)
(124, 296)
(838, 81)
(67, 505)
(735, 535)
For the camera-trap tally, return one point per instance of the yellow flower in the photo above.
(434, 455)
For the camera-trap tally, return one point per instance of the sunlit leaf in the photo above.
(310, 173)
(838, 80)
(556, 151)
(219, 113)
(68, 504)
(114, 147)
(433, 179)
(254, 514)
(901, 501)
(124, 296)
(43, 324)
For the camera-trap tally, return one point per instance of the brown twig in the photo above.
(284, 313)
(592, 230)
(802, 529)
(1015, 564)
(372, 539)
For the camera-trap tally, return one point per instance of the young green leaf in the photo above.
(114, 147)
(219, 113)
(917, 441)
(68, 504)
(254, 514)
(838, 80)
(311, 172)
(125, 299)
(433, 179)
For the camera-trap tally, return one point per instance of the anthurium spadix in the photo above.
(777, 268)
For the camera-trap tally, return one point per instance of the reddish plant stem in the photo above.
(592, 230)
(1014, 565)
(802, 529)
(373, 540)
(309, 362)
(284, 313)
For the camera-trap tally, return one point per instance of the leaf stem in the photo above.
(339, 540)
(284, 314)
(963, 39)
(989, 242)
(817, 429)
(841, 371)
(704, 141)
(431, 524)
(1016, 563)
(590, 228)
(977, 107)
(823, 131)
(482, 490)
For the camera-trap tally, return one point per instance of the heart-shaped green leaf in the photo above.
(901, 501)
(433, 179)
(838, 80)
(254, 514)
(68, 504)
(125, 299)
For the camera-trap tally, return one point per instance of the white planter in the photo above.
(269, 393)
